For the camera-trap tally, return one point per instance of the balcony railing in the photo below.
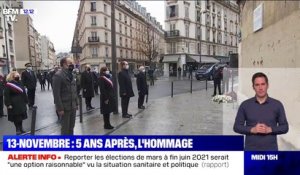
(93, 39)
(172, 33)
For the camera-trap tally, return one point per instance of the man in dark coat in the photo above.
(217, 77)
(107, 97)
(151, 76)
(96, 79)
(29, 81)
(87, 85)
(141, 86)
(126, 90)
(65, 96)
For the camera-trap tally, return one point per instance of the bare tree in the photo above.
(150, 47)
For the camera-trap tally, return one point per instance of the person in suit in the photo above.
(217, 77)
(141, 86)
(125, 88)
(65, 96)
(2, 85)
(96, 76)
(261, 118)
(107, 96)
(87, 85)
(15, 100)
(29, 81)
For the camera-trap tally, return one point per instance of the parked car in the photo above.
(206, 71)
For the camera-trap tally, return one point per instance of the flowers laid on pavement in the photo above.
(227, 98)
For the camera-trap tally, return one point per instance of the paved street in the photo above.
(46, 116)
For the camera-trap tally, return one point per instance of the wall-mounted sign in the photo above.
(258, 18)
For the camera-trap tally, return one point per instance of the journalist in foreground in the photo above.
(261, 118)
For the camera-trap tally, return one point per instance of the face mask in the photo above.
(107, 72)
(126, 66)
(29, 68)
(143, 70)
(17, 78)
(71, 67)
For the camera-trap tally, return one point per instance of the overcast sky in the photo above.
(56, 19)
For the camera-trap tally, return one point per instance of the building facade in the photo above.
(27, 44)
(199, 32)
(270, 43)
(7, 41)
(138, 35)
(48, 53)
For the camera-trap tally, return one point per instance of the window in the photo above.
(121, 41)
(125, 19)
(214, 36)
(172, 27)
(225, 39)
(208, 34)
(126, 53)
(94, 34)
(3, 50)
(131, 43)
(198, 16)
(10, 31)
(93, 6)
(93, 19)
(120, 28)
(214, 50)
(173, 47)
(105, 22)
(105, 8)
(125, 30)
(208, 49)
(130, 33)
(126, 45)
(198, 2)
(199, 33)
(187, 28)
(11, 46)
(121, 53)
(94, 51)
(199, 48)
(131, 55)
(130, 22)
(186, 11)
(172, 11)
(120, 16)
(106, 52)
(106, 37)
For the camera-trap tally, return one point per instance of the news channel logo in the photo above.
(11, 13)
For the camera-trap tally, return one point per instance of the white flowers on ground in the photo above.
(222, 99)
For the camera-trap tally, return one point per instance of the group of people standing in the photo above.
(18, 91)
(66, 89)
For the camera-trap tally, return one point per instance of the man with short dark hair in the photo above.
(29, 81)
(65, 96)
(261, 118)
(126, 90)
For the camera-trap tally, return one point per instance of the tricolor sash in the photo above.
(108, 80)
(14, 87)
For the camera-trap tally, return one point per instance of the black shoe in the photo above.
(126, 116)
(130, 115)
(92, 107)
(108, 127)
(213, 95)
(88, 108)
(142, 107)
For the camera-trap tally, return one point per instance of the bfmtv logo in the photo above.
(11, 14)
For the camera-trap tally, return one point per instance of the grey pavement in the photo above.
(46, 116)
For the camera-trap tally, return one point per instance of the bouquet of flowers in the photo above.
(222, 99)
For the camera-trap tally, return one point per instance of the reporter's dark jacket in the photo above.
(125, 83)
(107, 93)
(29, 79)
(15, 96)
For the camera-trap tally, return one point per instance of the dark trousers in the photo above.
(48, 84)
(106, 118)
(88, 101)
(19, 126)
(31, 96)
(96, 89)
(141, 100)
(1, 106)
(151, 81)
(217, 83)
(68, 122)
(124, 105)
